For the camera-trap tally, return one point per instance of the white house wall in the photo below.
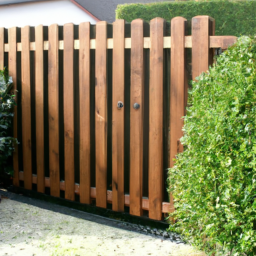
(45, 13)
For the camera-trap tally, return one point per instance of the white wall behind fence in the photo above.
(45, 13)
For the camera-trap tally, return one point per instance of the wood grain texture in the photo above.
(155, 181)
(177, 90)
(101, 113)
(84, 101)
(1, 48)
(12, 39)
(53, 106)
(68, 110)
(118, 116)
(26, 107)
(136, 117)
(201, 54)
(39, 94)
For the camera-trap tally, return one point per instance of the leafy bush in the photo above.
(214, 179)
(6, 115)
(232, 17)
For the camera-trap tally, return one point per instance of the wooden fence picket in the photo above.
(118, 116)
(136, 117)
(1, 48)
(26, 107)
(155, 190)
(68, 110)
(39, 94)
(101, 113)
(84, 106)
(53, 106)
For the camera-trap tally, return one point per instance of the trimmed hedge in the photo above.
(213, 181)
(232, 18)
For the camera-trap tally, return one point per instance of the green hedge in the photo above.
(232, 18)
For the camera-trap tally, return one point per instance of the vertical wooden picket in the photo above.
(118, 116)
(155, 189)
(12, 39)
(202, 28)
(1, 48)
(39, 94)
(68, 110)
(53, 103)
(136, 117)
(84, 103)
(101, 113)
(26, 107)
(177, 89)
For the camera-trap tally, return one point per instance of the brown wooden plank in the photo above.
(53, 108)
(1, 48)
(39, 93)
(12, 39)
(26, 107)
(222, 41)
(118, 116)
(101, 113)
(136, 117)
(84, 101)
(201, 54)
(68, 110)
(155, 178)
(178, 85)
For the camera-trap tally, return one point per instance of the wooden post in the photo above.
(156, 119)
(202, 56)
(136, 117)
(84, 112)
(53, 101)
(68, 110)
(39, 93)
(118, 116)
(177, 90)
(1, 48)
(101, 113)
(12, 34)
(26, 107)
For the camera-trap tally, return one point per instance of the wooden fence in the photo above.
(99, 107)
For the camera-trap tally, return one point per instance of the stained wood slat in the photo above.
(84, 101)
(12, 39)
(118, 116)
(53, 106)
(1, 48)
(101, 113)
(39, 94)
(136, 117)
(201, 32)
(68, 110)
(155, 188)
(26, 107)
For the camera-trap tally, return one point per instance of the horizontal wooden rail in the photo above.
(166, 207)
(215, 42)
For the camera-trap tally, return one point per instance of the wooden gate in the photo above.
(99, 107)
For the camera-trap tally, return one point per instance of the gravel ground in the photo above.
(33, 227)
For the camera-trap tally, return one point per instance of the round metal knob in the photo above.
(120, 104)
(136, 105)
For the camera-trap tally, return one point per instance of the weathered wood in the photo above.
(118, 117)
(201, 32)
(39, 94)
(136, 117)
(26, 107)
(68, 110)
(155, 179)
(101, 113)
(12, 38)
(1, 48)
(53, 106)
(84, 105)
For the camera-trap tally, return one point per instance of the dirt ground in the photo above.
(33, 227)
